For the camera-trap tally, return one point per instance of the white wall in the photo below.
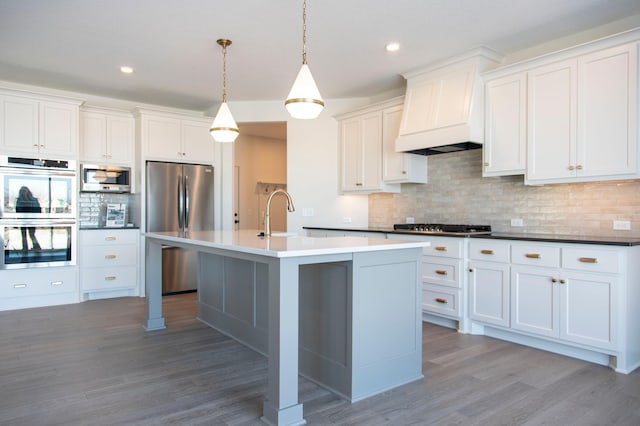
(312, 164)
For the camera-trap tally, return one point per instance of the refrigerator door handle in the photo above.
(180, 204)
(187, 211)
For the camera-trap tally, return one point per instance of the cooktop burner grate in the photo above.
(434, 228)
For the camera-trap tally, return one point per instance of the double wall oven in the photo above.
(37, 212)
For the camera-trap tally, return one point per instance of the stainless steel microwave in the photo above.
(99, 178)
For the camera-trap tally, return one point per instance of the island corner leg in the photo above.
(153, 286)
(282, 406)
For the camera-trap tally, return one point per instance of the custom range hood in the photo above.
(444, 105)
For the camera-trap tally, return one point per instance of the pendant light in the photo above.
(224, 127)
(304, 100)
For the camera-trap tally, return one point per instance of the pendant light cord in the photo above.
(304, 32)
(224, 72)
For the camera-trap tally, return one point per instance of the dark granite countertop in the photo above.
(552, 238)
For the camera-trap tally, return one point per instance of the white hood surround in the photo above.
(444, 105)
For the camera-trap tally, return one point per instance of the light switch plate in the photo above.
(307, 211)
(621, 225)
(517, 222)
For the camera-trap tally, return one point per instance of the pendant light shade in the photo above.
(304, 100)
(224, 127)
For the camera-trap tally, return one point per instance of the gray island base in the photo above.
(344, 312)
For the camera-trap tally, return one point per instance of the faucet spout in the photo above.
(267, 211)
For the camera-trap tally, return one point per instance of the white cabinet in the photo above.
(489, 281)
(34, 287)
(108, 260)
(399, 167)
(582, 117)
(174, 137)
(571, 296)
(505, 144)
(42, 127)
(107, 137)
(369, 162)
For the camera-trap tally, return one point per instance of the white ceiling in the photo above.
(79, 45)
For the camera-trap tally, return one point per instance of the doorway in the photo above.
(260, 156)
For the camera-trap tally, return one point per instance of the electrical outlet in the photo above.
(410, 219)
(621, 225)
(307, 211)
(517, 222)
(346, 219)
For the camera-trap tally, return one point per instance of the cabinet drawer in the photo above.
(48, 281)
(441, 271)
(592, 260)
(488, 250)
(108, 236)
(536, 255)
(441, 300)
(116, 255)
(444, 247)
(108, 278)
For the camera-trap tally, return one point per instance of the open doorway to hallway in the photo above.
(260, 156)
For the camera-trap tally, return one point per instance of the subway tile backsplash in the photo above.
(457, 193)
(93, 208)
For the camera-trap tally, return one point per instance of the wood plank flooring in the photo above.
(93, 364)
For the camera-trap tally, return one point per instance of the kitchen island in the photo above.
(344, 312)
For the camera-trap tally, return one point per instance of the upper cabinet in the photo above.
(369, 162)
(174, 137)
(583, 118)
(107, 136)
(505, 143)
(35, 126)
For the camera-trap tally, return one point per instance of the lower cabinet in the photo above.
(108, 263)
(34, 287)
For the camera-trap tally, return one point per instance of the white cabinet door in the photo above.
(58, 129)
(399, 167)
(489, 292)
(161, 138)
(197, 143)
(552, 121)
(607, 112)
(505, 145)
(535, 300)
(120, 142)
(362, 153)
(19, 124)
(93, 137)
(588, 306)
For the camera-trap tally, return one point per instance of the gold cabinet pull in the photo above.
(110, 278)
(110, 238)
(588, 259)
(440, 248)
(486, 251)
(110, 256)
(440, 300)
(579, 167)
(486, 164)
(533, 255)
(570, 168)
(441, 272)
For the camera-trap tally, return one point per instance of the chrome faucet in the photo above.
(267, 212)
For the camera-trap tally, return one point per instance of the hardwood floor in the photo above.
(93, 364)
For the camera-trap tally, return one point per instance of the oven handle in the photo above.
(37, 172)
(36, 222)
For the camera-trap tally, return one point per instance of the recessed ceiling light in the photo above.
(126, 69)
(392, 47)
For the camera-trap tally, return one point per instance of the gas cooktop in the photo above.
(442, 228)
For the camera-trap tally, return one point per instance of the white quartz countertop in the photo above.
(247, 241)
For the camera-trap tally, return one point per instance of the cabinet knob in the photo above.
(554, 280)
(570, 168)
(563, 281)
(486, 164)
(404, 172)
(579, 167)
(470, 269)
(35, 145)
(440, 300)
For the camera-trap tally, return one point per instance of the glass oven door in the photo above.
(37, 243)
(37, 193)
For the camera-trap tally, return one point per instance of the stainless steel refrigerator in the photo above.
(179, 198)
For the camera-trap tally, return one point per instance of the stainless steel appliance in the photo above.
(98, 178)
(179, 198)
(441, 229)
(37, 212)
